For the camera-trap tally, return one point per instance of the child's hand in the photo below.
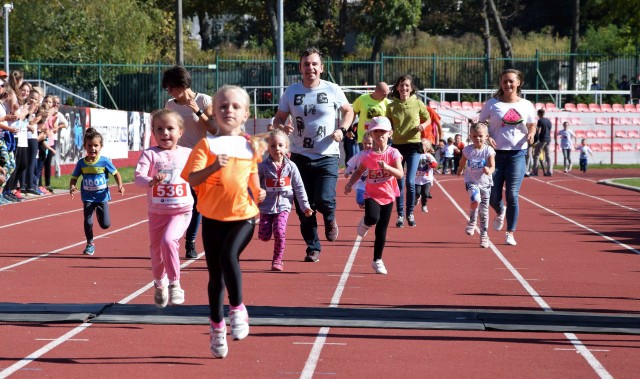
(347, 188)
(308, 212)
(73, 190)
(121, 190)
(3, 179)
(157, 178)
(381, 164)
(486, 170)
(221, 161)
(262, 195)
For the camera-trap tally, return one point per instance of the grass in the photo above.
(62, 183)
(632, 182)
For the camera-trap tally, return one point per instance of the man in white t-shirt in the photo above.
(315, 134)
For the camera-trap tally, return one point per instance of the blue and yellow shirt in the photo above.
(95, 176)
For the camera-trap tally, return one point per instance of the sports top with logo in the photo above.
(95, 176)
(381, 186)
(314, 113)
(508, 122)
(476, 160)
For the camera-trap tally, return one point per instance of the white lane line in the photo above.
(321, 339)
(581, 348)
(64, 213)
(68, 247)
(591, 196)
(581, 226)
(69, 335)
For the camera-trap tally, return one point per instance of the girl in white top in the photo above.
(354, 163)
(567, 142)
(424, 174)
(512, 127)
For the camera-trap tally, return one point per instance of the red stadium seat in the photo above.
(633, 134)
(606, 146)
(445, 104)
(637, 146)
(606, 108)
(635, 120)
(601, 133)
(601, 120)
(580, 134)
(433, 104)
(456, 105)
(627, 146)
(571, 107)
(595, 147)
(466, 106)
(621, 134)
(593, 107)
(617, 146)
(539, 106)
(617, 107)
(476, 105)
(551, 107)
(615, 120)
(576, 121)
(625, 121)
(630, 108)
(582, 107)
(591, 134)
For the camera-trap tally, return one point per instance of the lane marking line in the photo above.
(591, 196)
(68, 247)
(582, 349)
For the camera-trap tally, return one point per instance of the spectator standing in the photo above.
(457, 152)
(544, 143)
(595, 86)
(567, 142)
(624, 85)
(315, 134)
(370, 105)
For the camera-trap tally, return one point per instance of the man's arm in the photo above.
(280, 120)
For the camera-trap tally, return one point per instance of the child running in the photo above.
(220, 169)
(280, 177)
(381, 189)
(478, 163)
(169, 202)
(584, 149)
(94, 189)
(352, 165)
(424, 175)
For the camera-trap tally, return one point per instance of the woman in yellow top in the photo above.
(220, 169)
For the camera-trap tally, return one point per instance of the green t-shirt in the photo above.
(405, 116)
(367, 108)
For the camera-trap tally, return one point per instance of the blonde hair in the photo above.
(478, 126)
(278, 133)
(163, 113)
(228, 87)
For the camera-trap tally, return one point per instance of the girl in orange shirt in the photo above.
(220, 169)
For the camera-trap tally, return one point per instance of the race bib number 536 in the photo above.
(170, 193)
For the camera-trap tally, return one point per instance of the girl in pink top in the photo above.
(170, 203)
(381, 186)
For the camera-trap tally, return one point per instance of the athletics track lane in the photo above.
(442, 272)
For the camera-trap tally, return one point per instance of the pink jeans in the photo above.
(165, 231)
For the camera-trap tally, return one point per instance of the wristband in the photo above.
(199, 113)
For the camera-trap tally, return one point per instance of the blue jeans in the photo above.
(320, 178)
(411, 157)
(510, 166)
(351, 148)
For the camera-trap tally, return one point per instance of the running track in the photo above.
(578, 247)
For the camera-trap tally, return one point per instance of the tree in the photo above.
(503, 39)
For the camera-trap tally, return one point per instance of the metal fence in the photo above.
(136, 87)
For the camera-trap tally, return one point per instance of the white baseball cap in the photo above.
(379, 123)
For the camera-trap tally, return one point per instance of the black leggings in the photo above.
(102, 213)
(378, 215)
(223, 243)
(47, 166)
(423, 190)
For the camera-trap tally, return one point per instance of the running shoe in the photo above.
(400, 222)
(331, 230)
(509, 240)
(176, 294)
(239, 324)
(484, 240)
(411, 220)
(470, 229)
(161, 296)
(425, 209)
(218, 341)
(313, 256)
(277, 265)
(44, 190)
(498, 222)
(378, 267)
(50, 189)
(18, 194)
(89, 250)
(4, 201)
(363, 228)
(190, 247)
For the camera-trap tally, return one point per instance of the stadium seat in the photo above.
(539, 106)
(627, 146)
(433, 104)
(590, 134)
(600, 133)
(617, 146)
(466, 106)
(635, 120)
(456, 105)
(571, 107)
(551, 107)
(445, 104)
(638, 107)
(606, 146)
(595, 147)
(604, 107)
(476, 105)
(580, 134)
(633, 134)
(625, 121)
(582, 107)
(601, 120)
(615, 120)
(617, 107)
(630, 108)
(576, 121)
(637, 146)
(621, 134)
(593, 107)
(562, 120)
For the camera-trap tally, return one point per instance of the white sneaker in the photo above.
(510, 240)
(400, 222)
(484, 240)
(239, 324)
(161, 297)
(378, 266)
(498, 222)
(424, 209)
(176, 294)
(218, 341)
(470, 229)
(362, 228)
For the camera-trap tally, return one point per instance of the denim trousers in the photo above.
(410, 157)
(320, 177)
(510, 166)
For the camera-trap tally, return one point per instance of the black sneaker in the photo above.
(190, 247)
(313, 256)
(400, 222)
(411, 220)
(331, 231)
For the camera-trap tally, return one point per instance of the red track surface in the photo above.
(578, 245)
